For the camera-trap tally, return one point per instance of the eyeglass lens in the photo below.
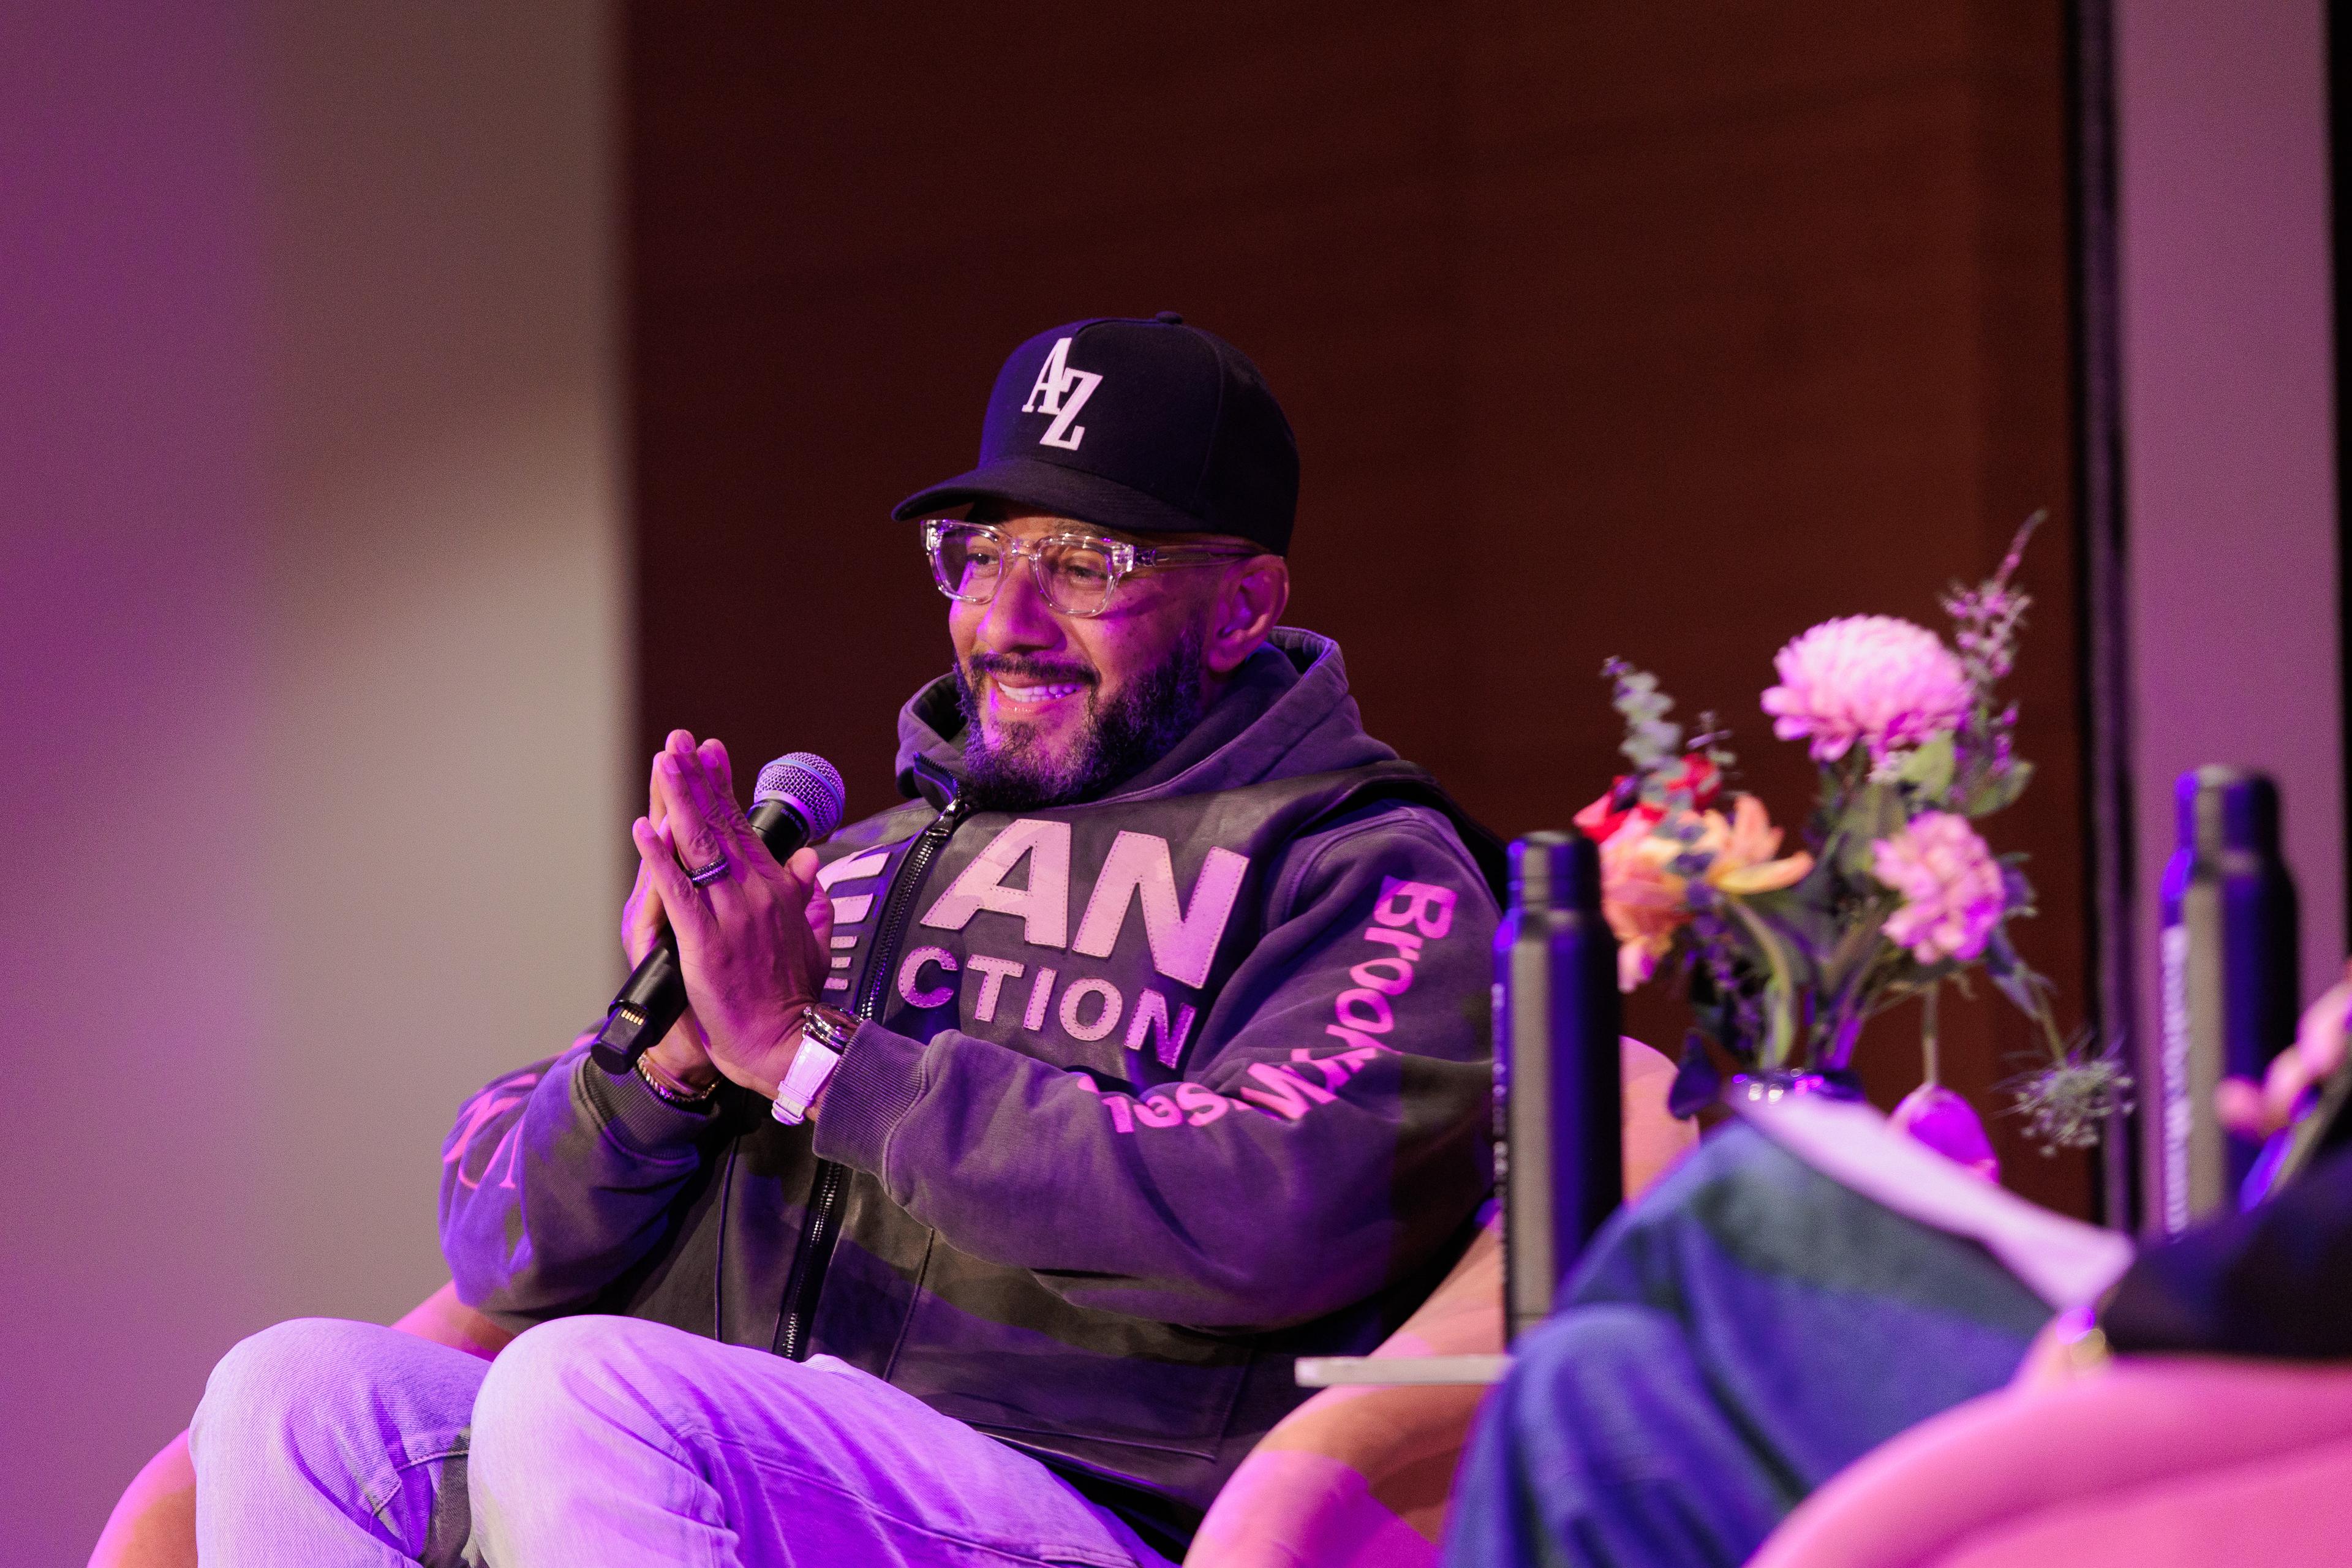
(969, 560)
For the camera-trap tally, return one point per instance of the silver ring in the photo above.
(702, 876)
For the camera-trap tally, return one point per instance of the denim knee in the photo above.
(273, 1384)
(567, 1361)
(1734, 1154)
(1605, 1444)
(575, 1377)
(1590, 1354)
(588, 1370)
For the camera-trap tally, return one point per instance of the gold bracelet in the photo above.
(667, 1089)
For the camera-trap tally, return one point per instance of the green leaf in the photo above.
(1801, 914)
(1874, 812)
(1855, 947)
(1928, 770)
(1780, 935)
(1996, 791)
(1780, 989)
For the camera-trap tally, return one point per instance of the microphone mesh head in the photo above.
(810, 784)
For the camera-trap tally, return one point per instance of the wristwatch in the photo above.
(825, 1035)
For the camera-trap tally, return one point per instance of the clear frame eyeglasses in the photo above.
(1077, 573)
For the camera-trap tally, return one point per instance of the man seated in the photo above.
(1753, 1326)
(1160, 1013)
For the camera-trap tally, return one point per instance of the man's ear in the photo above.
(1248, 606)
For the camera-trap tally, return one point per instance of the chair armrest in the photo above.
(445, 1321)
(2152, 1438)
(154, 1524)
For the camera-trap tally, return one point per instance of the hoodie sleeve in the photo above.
(1331, 1133)
(556, 1179)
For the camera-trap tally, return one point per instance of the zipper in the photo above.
(818, 1237)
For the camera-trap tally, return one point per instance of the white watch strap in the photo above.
(805, 1079)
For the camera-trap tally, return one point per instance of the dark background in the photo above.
(1663, 332)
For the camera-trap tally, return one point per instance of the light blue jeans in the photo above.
(605, 1441)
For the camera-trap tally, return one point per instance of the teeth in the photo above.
(1035, 693)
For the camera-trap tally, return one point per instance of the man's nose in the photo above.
(1019, 616)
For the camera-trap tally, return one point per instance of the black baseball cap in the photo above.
(1141, 424)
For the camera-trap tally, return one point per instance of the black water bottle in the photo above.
(1559, 1156)
(2229, 985)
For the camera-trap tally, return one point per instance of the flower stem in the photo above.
(2017, 547)
(2049, 1027)
(1781, 991)
(1928, 1046)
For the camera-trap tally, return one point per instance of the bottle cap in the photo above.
(1556, 870)
(2222, 810)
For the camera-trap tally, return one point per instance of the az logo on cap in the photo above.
(1064, 391)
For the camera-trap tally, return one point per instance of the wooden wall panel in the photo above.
(1660, 330)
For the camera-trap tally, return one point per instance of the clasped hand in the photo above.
(752, 943)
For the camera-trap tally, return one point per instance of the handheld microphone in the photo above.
(799, 799)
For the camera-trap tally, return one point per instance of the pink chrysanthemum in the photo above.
(1874, 679)
(1951, 887)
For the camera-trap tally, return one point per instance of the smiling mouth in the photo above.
(1042, 692)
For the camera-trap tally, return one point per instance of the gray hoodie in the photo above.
(1158, 1092)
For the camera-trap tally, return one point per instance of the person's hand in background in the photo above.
(2256, 1110)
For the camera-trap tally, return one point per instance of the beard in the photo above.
(1115, 740)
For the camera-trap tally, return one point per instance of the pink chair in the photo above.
(1359, 1477)
(2163, 1462)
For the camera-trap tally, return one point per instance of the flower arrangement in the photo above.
(1896, 892)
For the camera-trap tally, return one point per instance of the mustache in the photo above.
(1023, 667)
